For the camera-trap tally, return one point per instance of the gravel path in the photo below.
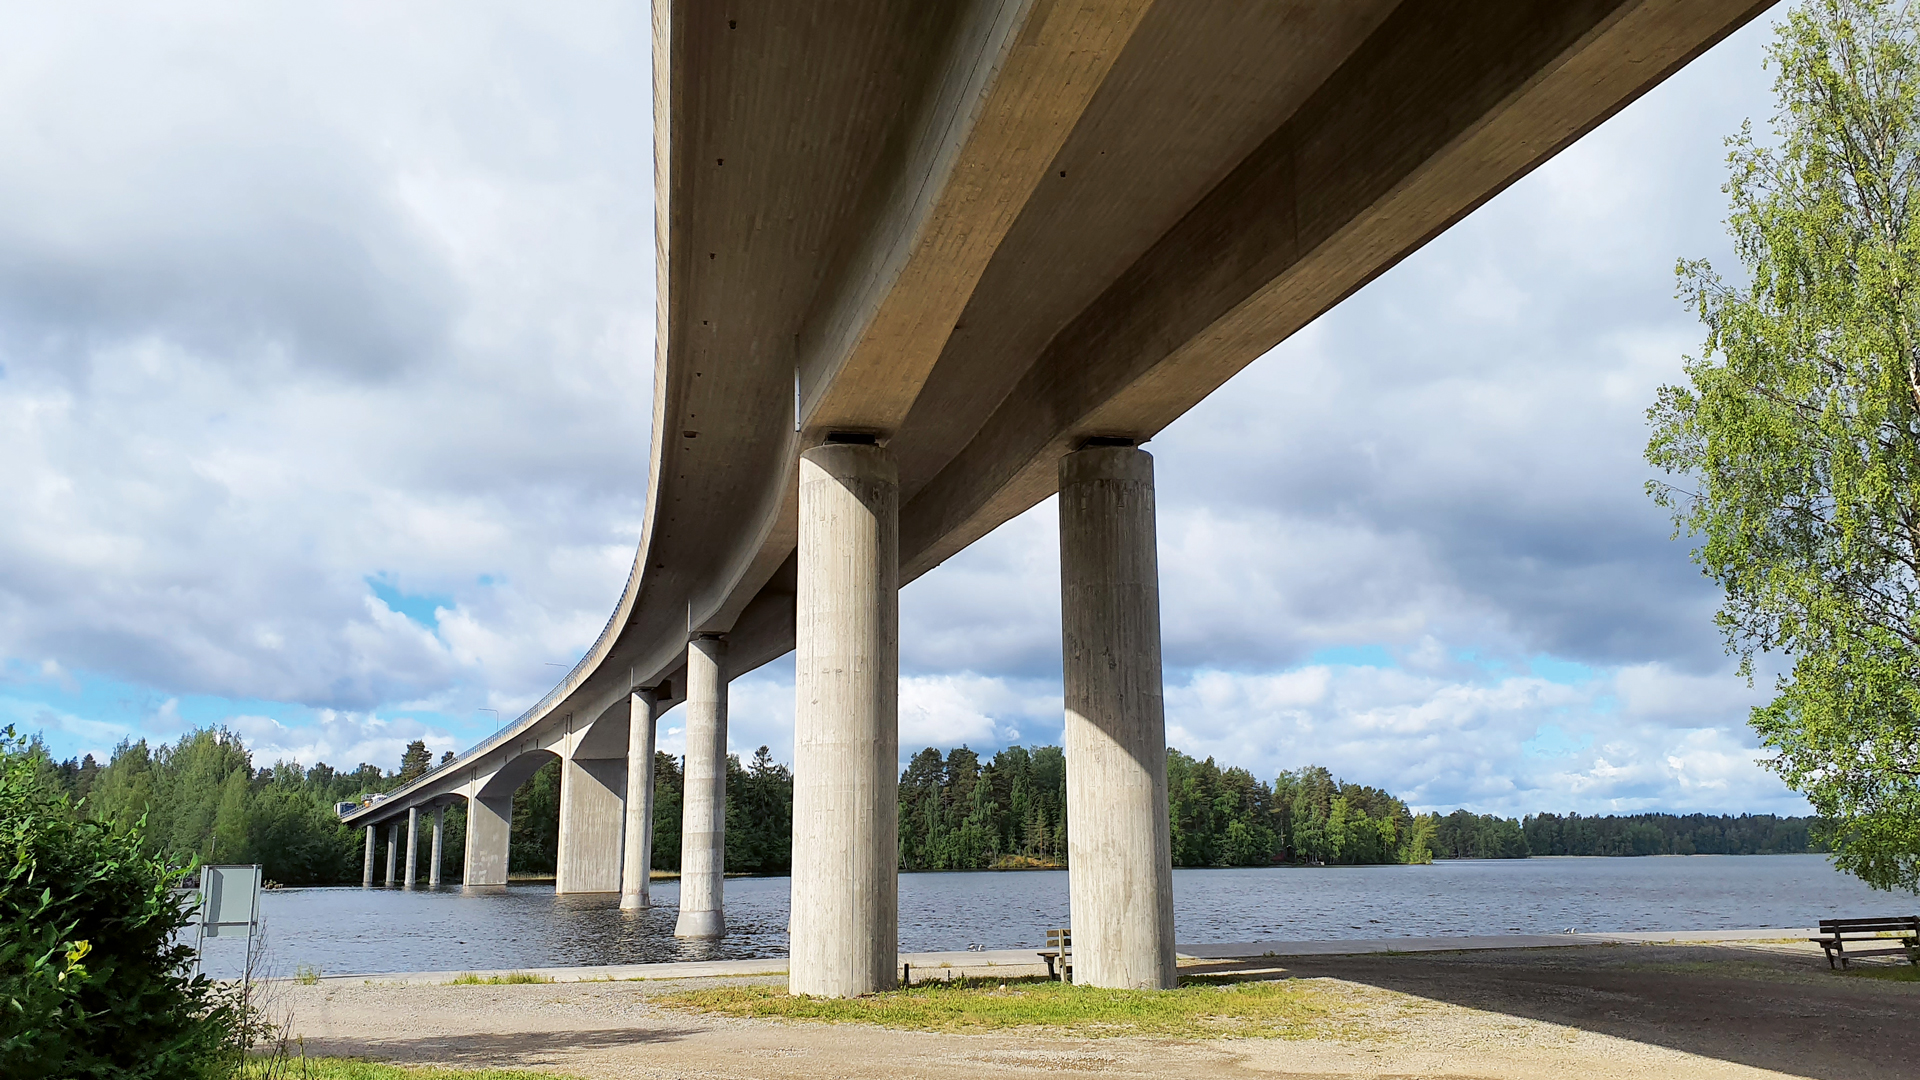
(1698, 1011)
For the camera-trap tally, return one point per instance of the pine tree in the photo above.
(414, 763)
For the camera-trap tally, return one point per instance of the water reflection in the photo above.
(347, 930)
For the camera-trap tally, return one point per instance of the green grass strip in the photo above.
(1903, 973)
(511, 978)
(1284, 1009)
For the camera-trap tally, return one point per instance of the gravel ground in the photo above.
(1628, 1011)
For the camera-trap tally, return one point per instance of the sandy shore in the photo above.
(1627, 1011)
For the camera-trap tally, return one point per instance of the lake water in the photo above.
(352, 930)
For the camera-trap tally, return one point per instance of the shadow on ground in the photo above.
(507, 1050)
(1767, 1008)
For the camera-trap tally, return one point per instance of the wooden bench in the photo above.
(1836, 933)
(1059, 950)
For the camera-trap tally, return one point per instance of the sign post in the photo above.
(229, 900)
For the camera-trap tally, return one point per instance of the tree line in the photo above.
(202, 798)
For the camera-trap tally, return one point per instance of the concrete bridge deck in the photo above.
(922, 266)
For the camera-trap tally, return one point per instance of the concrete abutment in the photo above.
(489, 828)
(592, 794)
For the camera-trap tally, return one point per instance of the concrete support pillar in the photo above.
(439, 840)
(636, 870)
(489, 827)
(1119, 851)
(413, 845)
(844, 927)
(592, 792)
(366, 872)
(393, 848)
(703, 818)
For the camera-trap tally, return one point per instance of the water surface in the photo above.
(353, 930)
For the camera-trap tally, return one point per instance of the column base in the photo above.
(701, 924)
(634, 902)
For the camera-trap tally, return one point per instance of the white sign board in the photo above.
(229, 899)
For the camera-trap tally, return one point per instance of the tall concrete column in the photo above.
(393, 848)
(703, 815)
(413, 845)
(366, 872)
(439, 838)
(845, 928)
(592, 792)
(636, 869)
(1120, 864)
(489, 827)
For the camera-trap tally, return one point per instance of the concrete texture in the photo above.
(393, 849)
(366, 871)
(439, 845)
(489, 828)
(636, 870)
(1120, 854)
(592, 812)
(844, 925)
(413, 846)
(703, 816)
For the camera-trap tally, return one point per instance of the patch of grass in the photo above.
(306, 974)
(511, 978)
(1903, 973)
(1200, 1008)
(356, 1069)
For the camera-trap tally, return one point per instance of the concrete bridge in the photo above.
(923, 265)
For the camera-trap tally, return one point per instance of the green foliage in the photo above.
(1667, 834)
(759, 815)
(667, 806)
(415, 761)
(202, 799)
(1324, 820)
(958, 814)
(1219, 817)
(1800, 425)
(534, 845)
(1466, 835)
(92, 980)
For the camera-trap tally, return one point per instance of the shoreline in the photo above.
(674, 875)
(1012, 962)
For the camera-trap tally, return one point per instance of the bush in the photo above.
(93, 981)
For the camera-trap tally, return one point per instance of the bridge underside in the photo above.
(973, 240)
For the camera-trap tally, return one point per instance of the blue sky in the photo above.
(325, 363)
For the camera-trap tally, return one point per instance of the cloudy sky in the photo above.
(325, 363)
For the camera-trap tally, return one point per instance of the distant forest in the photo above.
(203, 798)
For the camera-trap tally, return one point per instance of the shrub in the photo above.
(94, 983)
